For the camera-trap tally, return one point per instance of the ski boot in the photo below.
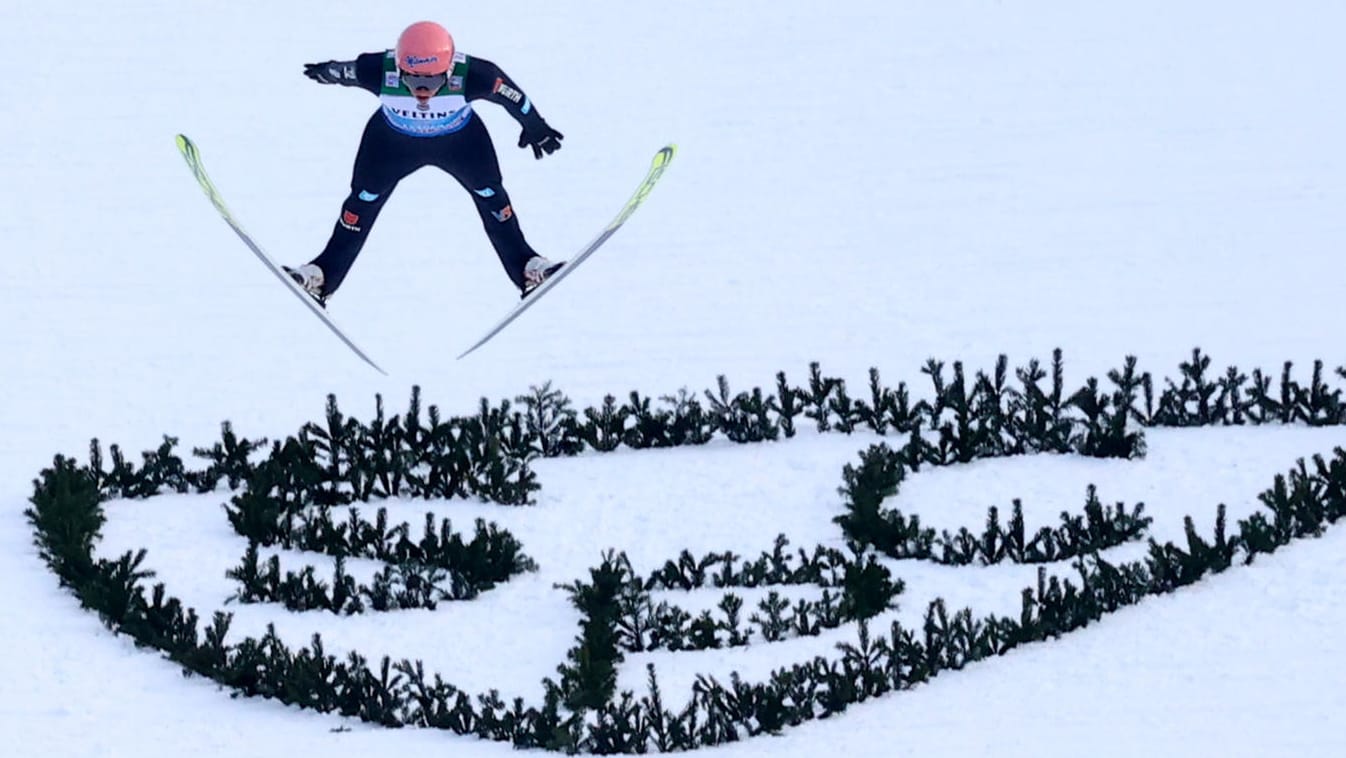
(536, 271)
(309, 278)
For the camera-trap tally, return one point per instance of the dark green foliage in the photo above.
(344, 460)
(745, 417)
(773, 619)
(605, 427)
(1038, 422)
(639, 624)
(440, 566)
(258, 515)
(1231, 406)
(689, 423)
(1193, 401)
(649, 427)
(1317, 404)
(824, 567)
(1104, 432)
(887, 408)
(869, 589)
(789, 405)
(818, 398)
(284, 498)
(66, 519)
(334, 448)
(966, 429)
(877, 477)
(588, 681)
(1129, 386)
(992, 396)
(162, 470)
(229, 459)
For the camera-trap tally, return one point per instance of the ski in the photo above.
(657, 166)
(192, 155)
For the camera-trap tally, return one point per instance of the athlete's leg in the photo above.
(469, 157)
(384, 158)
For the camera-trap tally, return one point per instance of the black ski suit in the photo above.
(386, 156)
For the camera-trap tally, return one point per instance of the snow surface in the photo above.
(865, 186)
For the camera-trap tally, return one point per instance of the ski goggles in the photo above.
(430, 82)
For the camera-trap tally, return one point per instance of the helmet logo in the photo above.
(417, 60)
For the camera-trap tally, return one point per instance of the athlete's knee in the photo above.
(490, 194)
(493, 200)
(362, 195)
(360, 209)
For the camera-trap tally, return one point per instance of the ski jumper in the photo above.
(406, 134)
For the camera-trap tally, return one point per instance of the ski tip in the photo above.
(664, 156)
(186, 146)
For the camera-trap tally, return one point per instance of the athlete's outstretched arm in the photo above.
(486, 81)
(365, 72)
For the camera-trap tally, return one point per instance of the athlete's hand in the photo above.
(540, 137)
(331, 72)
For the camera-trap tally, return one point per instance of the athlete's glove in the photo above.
(540, 137)
(331, 72)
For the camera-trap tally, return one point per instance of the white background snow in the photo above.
(869, 185)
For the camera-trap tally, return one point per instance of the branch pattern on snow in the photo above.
(290, 494)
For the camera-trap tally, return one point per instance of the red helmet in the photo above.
(425, 48)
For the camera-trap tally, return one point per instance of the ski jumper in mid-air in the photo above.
(426, 89)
